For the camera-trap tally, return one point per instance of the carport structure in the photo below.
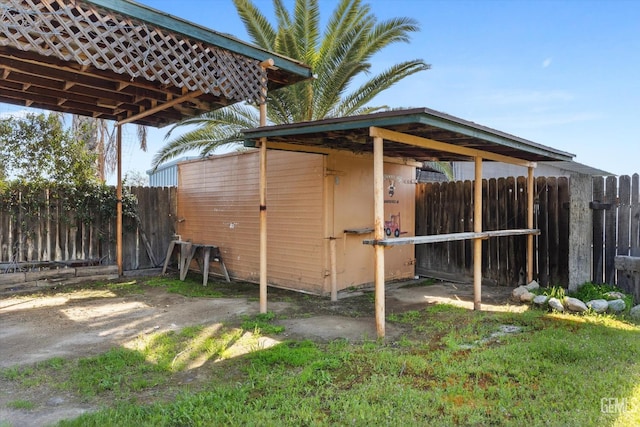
(119, 60)
(412, 137)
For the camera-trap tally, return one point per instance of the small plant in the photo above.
(261, 324)
(557, 292)
(21, 404)
(410, 316)
(590, 291)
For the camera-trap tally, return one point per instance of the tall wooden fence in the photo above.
(448, 208)
(616, 226)
(40, 230)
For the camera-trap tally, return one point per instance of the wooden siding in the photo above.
(353, 210)
(218, 203)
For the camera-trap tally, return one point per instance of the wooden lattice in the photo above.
(78, 32)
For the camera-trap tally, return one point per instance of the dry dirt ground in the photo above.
(66, 324)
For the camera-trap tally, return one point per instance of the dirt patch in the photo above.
(91, 321)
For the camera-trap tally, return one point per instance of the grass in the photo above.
(21, 404)
(190, 287)
(536, 377)
(445, 370)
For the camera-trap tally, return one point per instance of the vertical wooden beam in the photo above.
(119, 201)
(263, 212)
(530, 191)
(263, 193)
(378, 212)
(334, 269)
(477, 243)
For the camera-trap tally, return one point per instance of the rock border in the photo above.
(615, 304)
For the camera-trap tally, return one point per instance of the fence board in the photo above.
(624, 207)
(611, 193)
(635, 217)
(543, 225)
(468, 226)
(598, 231)
(485, 220)
(553, 238)
(564, 199)
(491, 223)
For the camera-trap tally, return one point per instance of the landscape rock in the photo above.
(541, 300)
(532, 286)
(527, 297)
(555, 304)
(616, 306)
(518, 292)
(598, 305)
(613, 295)
(574, 304)
(635, 312)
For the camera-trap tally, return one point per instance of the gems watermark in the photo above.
(617, 405)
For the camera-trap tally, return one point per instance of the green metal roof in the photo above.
(352, 134)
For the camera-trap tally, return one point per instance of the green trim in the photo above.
(413, 116)
(189, 29)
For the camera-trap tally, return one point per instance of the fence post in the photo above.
(580, 230)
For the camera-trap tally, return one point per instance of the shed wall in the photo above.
(219, 201)
(310, 198)
(353, 210)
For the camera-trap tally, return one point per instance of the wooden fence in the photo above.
(616, 227)
(41, 230)
(448, 208)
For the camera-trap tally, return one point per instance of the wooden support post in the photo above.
(119, 202)
(477, 243)
(263, 207)
(263, 217)
(378, 211)
(530, 192)
(334, 269)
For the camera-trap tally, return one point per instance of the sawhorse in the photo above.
(203, 254)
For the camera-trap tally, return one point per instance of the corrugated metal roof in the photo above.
(352, 134)
(575, 167)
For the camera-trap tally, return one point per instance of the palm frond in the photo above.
(142, 136)
(256, 24)
(307, 29)
(205, 140)
(445, 168)
(374, 86)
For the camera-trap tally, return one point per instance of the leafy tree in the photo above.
(37, 148)
(136, 179)
(340, 58)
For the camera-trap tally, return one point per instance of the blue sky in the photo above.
(563, 73)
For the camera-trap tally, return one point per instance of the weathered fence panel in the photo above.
(448, 207)
(616, 231)
(37, 228)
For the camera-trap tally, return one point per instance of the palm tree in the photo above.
(100, 138)
(343, 55)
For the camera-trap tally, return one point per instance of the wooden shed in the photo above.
(334, 185)
(320, 210)
(406, 137)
